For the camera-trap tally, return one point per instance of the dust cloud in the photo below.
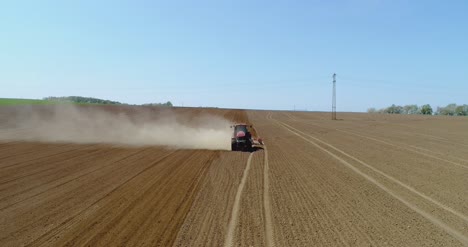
(135, 127)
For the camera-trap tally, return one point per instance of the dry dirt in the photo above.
(364, 180)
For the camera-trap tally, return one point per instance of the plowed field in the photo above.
(364, 180)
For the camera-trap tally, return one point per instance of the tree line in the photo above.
(90, 100)
(449, 110)
(167, 104)
(83, 100)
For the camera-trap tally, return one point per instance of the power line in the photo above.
(334, 98)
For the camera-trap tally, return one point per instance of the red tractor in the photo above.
(241, 139)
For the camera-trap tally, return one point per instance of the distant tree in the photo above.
(371, 110)
(461, 110)
(449, 110)
(388, 109)
(426, 109)
(167, 104)
(405, 109)
(82, 100)
(398, 109)
(394, 109)
(410, 109)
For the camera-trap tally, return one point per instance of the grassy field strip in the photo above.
(235, 209)
(8, 101)
(458, 235)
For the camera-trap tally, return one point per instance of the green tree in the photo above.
(167, 104)
(461, 110)
(426, 109)
(82, 100)
(449, 110)
(394, 109)
(410, 109)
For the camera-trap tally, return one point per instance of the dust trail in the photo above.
(136, 126)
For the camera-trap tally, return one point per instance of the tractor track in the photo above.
(269, 240)
(413, 190)
(366, 180)
(399, 146)
(236, 207)
(410, 148)
(268, 225)
(399, 166)
(455, 233)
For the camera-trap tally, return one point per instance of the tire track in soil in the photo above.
(400, 146)
(442, 139)
(428, 189)
(309, 229)
(453, 232)
(55, 208)
(268, 228)
(207, 225)
(410, 188)
(408, 149)
(266, 202)
(228, 242)
(321, 217)
(386, 124)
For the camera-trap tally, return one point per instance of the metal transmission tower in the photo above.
(334, 98)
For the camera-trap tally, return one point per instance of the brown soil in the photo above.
(365, 180)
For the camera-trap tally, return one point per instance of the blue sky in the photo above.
(238, 54)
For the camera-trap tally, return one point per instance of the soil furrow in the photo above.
(455, 233)
(235, 209)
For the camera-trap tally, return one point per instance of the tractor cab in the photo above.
(242, 138)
